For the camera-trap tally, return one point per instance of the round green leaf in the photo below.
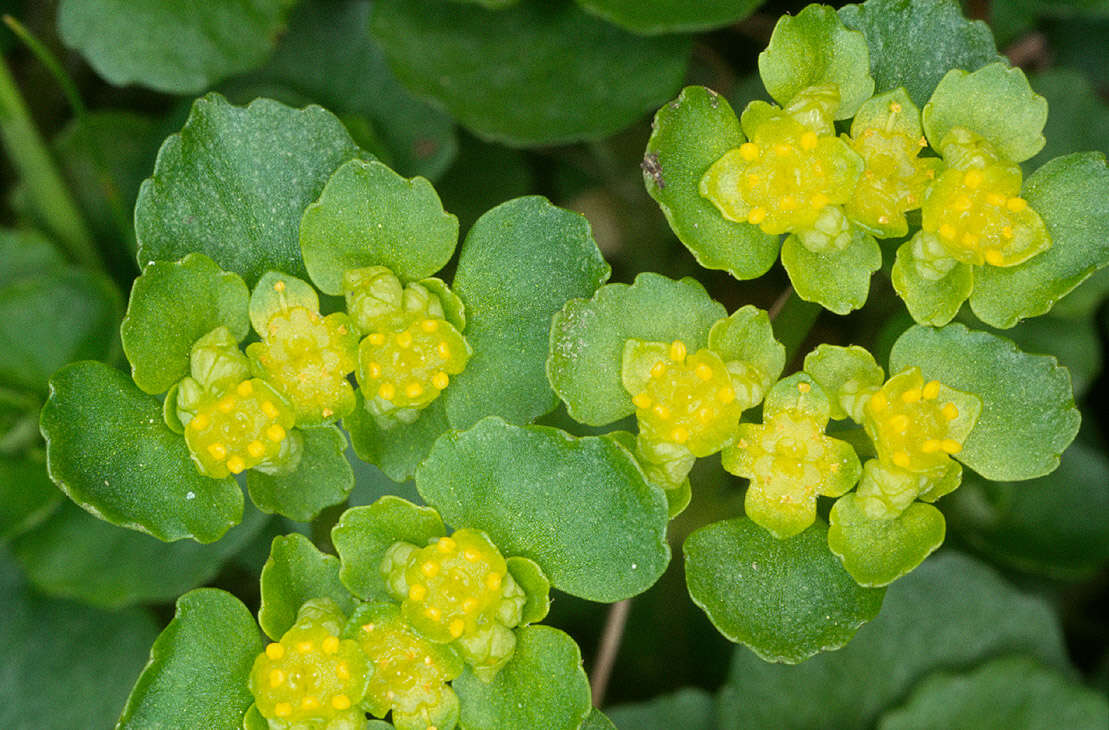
(1071, 194)
(670, 16)
(878, 552)
(397, 451)
(588, 336)
(65, 665)
(543, 686)
(1028, 414)
(996, 102)
(838, 281)
(26, 253)
(785, 599)
(813, 48)
(596, 720)
(369, 215)
(520, 263)
(534, 582)
(1012, 692)
(951, 612)
(540, 493)
(197, 674)
(297, 572)
(536, 73)
(844, 373)
(931, 301)
(234, 183)
(689, 709)
(275, 292)
(174, 304)
(108, 448)
(323, 478)
(913, 43)
(363, 534)
(27, 496)
(74, 555)
(689, 135)
(179, 48)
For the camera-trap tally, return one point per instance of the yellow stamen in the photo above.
(440, 380)
(275, 651)
(377, 338)
(788, 202)
(444, 350)
(340, 702)
(951, 446)
(471, 555)
(374, 369)
(429, 325)
(236, 464)
(277, 678)
(677, 351)
(279, 286)
(404, 339)
(973, 178)
(725, 395)
(658, 369)
(310, 703)
(342, 671)
(469, 605)
(901, 459)
(950, 411)
(803, 387)
(457, 627)
(200, 422)
(912, 395)
(282, 709)
(244, 388)
(662, 412)
(808, 141)
(275, 433)
(782, 148)
(388, 391)
(749, 151)
(218, 451)
(930, 446)
(970, 240)
(877, 402)
(900, 422)
(493, 581)
(819, 200)
(931, 389)
(704, 415)
(305, 647)
(256, 449)
(1016, 204)
(226, 405)
(430, 568)
(269, 409)
(948, 231)
(995, 257)
(679, 435)
(417, 592)
(433, 613)
(1007, 231)
(757, 215)
(445, 545)
(642, 400)
(895, 107)
(330, 645)
(414, 390)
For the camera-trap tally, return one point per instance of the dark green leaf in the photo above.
(520, 263)
(27, 496)
(24, 254)
(596, 720)
(913, 43)
(588, 336)
(1079, 118)
(1028, 414)
(174, 304)
(535, 73)
(785, 599)
(65, 665)
(108, 448)
(690, 133)
(397, 451)
(75, 555)
(363, 534)
(197, 674)
(1075, 342)
(580, 508)
(1012, 692)
(1071, 194)
(322, 478)
(543, 686)
(671, 16)
(369, 215)
(297, 572)
(952, 612)
(689, 709)
(234, 183)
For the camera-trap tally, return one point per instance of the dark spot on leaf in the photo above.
(651, 166)
(425, 148)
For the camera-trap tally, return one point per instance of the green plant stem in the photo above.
(46, 191)
(615, 622)
(47, 59)
(793, 319)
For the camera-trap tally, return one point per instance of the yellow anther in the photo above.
(703, 371)
(834, 467)
(1016, 204)
(427, 660)
(430, 568)
(658, 369)
(753, 179)
(429, 325)
(912, 395)
(895, 107)
(725, 395)
(742, 443)
(413, 390)
(269, 409)
(404, 339)
(388, 391)
(931, 389)
(368, 627)
(377, 338)
(342, 671)
(884, 219)
(901, 459)
(340, 702)
(951, 446)
(782, 148)
(305, 647)
(679, 435)
(994, 257)
(256, 449)
(803, 387)
(444, 350)
(201, 422)
(218, 451)
(433, 613)
(469, 605)
(950, 411)
(417, 592)
(456, 627)
(493, 581)
(995, 199)
(757, 215)
(471, 555)
(819, 200)
(275, 433)
(677, 351)
(282, 709)
(275, 651)
(445, 545)
(330, 645)
(642, 400)
(788, 202)
(970, 240)
(808, 141)
(226, 404)
(440, 380)
(962, 203)
(244, 388)
(277, 677)
(948, 231)
(878, 402)
(973, 178)
(1007, 231)
(749, 151)
(279, 286)
(310, 703)
(705, 415)
(900, 422)
(930, 446)
(662, 412)
(236, 464)
(374, 369)
(923, 142)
